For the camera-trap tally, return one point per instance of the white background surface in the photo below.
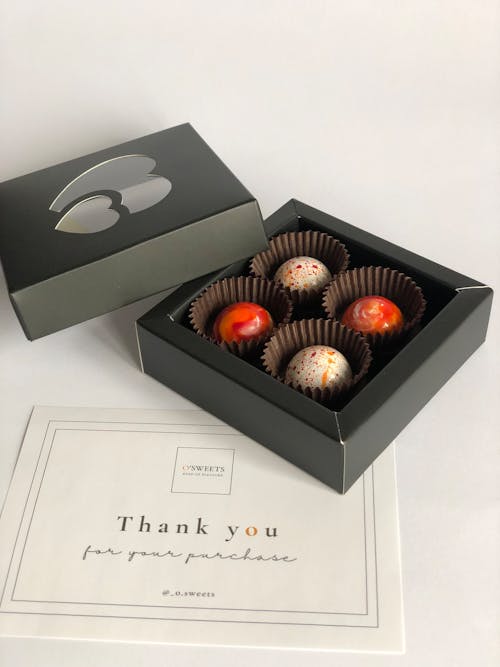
(385, 114)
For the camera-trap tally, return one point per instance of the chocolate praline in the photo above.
(241, 321)
(373, 315)
(305, 274)
(318, 367)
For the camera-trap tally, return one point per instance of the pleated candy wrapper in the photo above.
(225, 292)
(309, 243)
(290, 338)
(376, 281)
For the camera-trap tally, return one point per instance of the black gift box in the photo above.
(334, 446)
(90, 235)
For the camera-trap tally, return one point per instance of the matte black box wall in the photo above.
(334, 446)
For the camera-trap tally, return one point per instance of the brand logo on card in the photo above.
(93, 201)
(203, 470)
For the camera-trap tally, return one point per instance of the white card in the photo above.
(170, 526)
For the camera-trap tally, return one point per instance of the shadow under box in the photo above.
(337, 443)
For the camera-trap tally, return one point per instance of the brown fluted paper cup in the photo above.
(309, 243)
(207, 306)
(376, 281)
(291, 338)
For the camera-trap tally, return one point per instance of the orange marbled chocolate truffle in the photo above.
(242, 321)
(372, 315)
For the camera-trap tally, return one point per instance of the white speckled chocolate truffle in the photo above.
(305, 274)
(318, 366)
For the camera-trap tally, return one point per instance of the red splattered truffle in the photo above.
(240, 321)
(305, 274)
(372, 315)
(318, 366)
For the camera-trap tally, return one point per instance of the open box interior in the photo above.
(437, 296)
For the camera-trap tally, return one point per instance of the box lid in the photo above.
(92, 234)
